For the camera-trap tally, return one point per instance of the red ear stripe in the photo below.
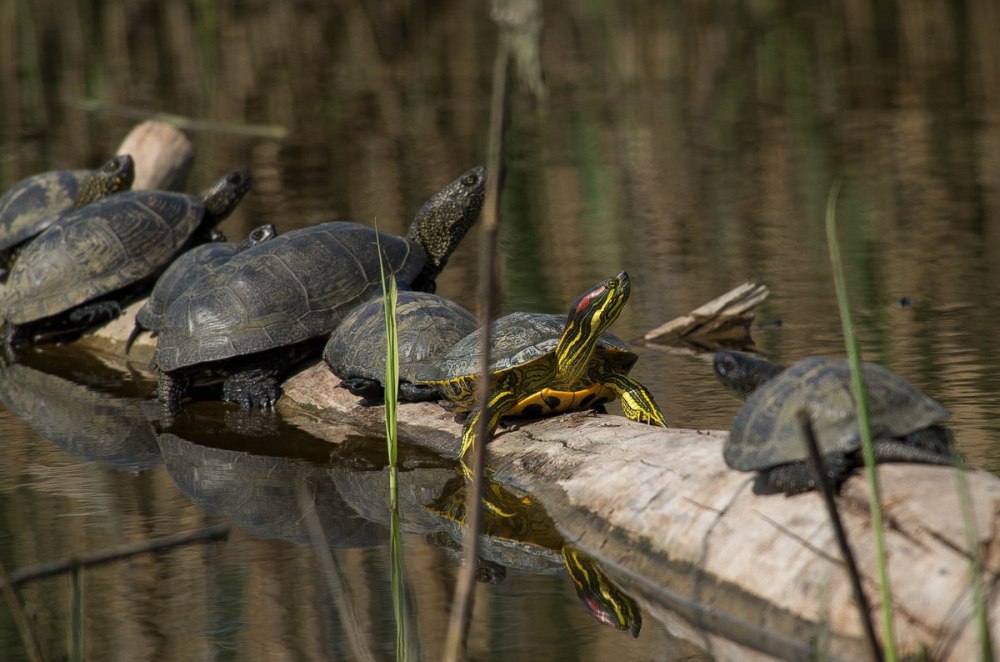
(585, 300)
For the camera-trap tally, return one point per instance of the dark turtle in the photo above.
(427, 325)
(547, 363)
(766, 436)
(34, 203)
(743, 373)
(82, 269)
(190, 267)
(263, 310)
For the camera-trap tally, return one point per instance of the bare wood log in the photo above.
(725, 319)
(736, 573)
(163, 156)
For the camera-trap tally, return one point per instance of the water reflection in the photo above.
(87, 422)
(229, 473)
(260, 493)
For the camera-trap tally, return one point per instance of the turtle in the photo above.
(766, 436)
(81, 270)
(271, 305)
(187, 269)
(742, 373)
(545, 363)
(34, 203)
(427, 325)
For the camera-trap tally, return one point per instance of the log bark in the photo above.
(742, 575)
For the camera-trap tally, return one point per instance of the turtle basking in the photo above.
(427, 325)
(766, 435)
(190, 267)
(546, 363)
(34, 203)
(81, 270)
(742, 373)
(265, 309)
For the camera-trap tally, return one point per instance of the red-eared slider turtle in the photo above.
(260, 312)
(190, 267)
(766, 436)
(83, 268)
(546, 363)
(36, 202)
(427, 326)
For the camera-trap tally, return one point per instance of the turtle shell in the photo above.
(34, 203)
(516, 340)
(189, 268)
(103, 247)
(297, 286)
(427, 325)
(766, 431)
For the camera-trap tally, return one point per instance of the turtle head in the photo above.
(258, 236)
(743, 373)
(589, 316)
(221, 198)
(116, 175)
(443, 221)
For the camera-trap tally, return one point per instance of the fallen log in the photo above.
(722, 322)
(737, 573)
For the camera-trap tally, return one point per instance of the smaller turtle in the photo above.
(427, 326)
(190, 267)
(742, 373)
(766, 436)
(34, 203)
(81, 270)
(544, 363)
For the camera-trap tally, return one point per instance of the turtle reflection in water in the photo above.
(86, 423)
(526, 537)
(766, 436)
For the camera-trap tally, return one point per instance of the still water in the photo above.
(692, 144)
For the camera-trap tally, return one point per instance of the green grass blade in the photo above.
(391, 382)
(867, 448)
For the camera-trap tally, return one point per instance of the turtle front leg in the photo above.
(499, 404)
(99, 311)
(798, 477)
(258, 386)
(637, 402)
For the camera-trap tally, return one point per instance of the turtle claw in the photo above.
(260, 393)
